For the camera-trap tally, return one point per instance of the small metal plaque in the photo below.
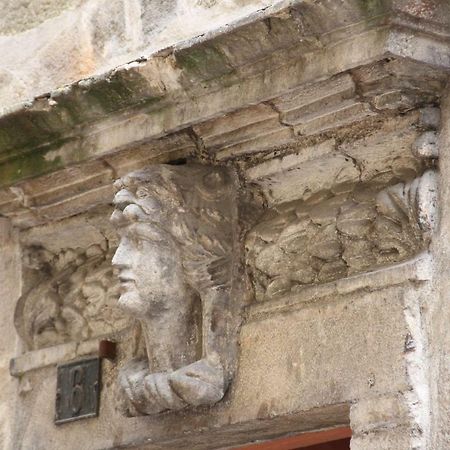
(77, 390)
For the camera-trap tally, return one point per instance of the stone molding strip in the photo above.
(51, 356)
(417, 269)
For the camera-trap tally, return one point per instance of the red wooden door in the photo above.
(333, 439)
(341, 444)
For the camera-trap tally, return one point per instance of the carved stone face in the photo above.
(149, 271)
(175, 263)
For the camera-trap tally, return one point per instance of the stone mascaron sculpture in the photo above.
(178, 263)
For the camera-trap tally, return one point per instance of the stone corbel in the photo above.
(177, 263)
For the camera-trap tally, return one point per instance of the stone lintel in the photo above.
(152, 97)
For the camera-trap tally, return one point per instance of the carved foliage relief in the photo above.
(72, 296)
(304, 243)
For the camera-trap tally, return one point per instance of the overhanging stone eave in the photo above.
(67, 126)
(149, 135)
(45, 135)
(88, 142)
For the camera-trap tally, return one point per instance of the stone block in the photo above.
(84, 230)
(336, 116)
(51, 356)
(314, 97)
(334, 350)
(322, 106)
(417, 47)
(398, 84)
(300, 175)
(176, 146)
(390, 439)
(382, 156)
(386, 153)
(378, 413)
(59, 186)
(71, 206)
(248, 130)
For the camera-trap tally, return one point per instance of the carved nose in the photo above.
(119, 259)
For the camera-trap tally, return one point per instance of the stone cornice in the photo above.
(135, 113)
(184, 85)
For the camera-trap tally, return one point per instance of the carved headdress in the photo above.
(194, 206)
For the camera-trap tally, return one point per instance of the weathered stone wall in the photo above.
(333, 119)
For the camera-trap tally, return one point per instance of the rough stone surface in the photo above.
(254, 396)
(231, 67)
(332, 120)
(308, 243)
(381, 157)
(438, 309)
(70, 295)
(52, 43)
(250, 130)
(322, 339)
(322, 106)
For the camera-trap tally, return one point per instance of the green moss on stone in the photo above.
(26, 136)
(205, 62)
(373, 7)
(123, 89)
(30, 164)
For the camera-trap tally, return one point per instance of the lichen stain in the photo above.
(204, 62)
(425, 9)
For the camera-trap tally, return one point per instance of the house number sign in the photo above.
(77, 390)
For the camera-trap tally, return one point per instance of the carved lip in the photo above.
(126, 286)
(126, 279)
(125, 275)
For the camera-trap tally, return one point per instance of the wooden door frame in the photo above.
(301, 440)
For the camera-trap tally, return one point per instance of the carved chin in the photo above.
(131, 303)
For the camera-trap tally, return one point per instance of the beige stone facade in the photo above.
(277, 175)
